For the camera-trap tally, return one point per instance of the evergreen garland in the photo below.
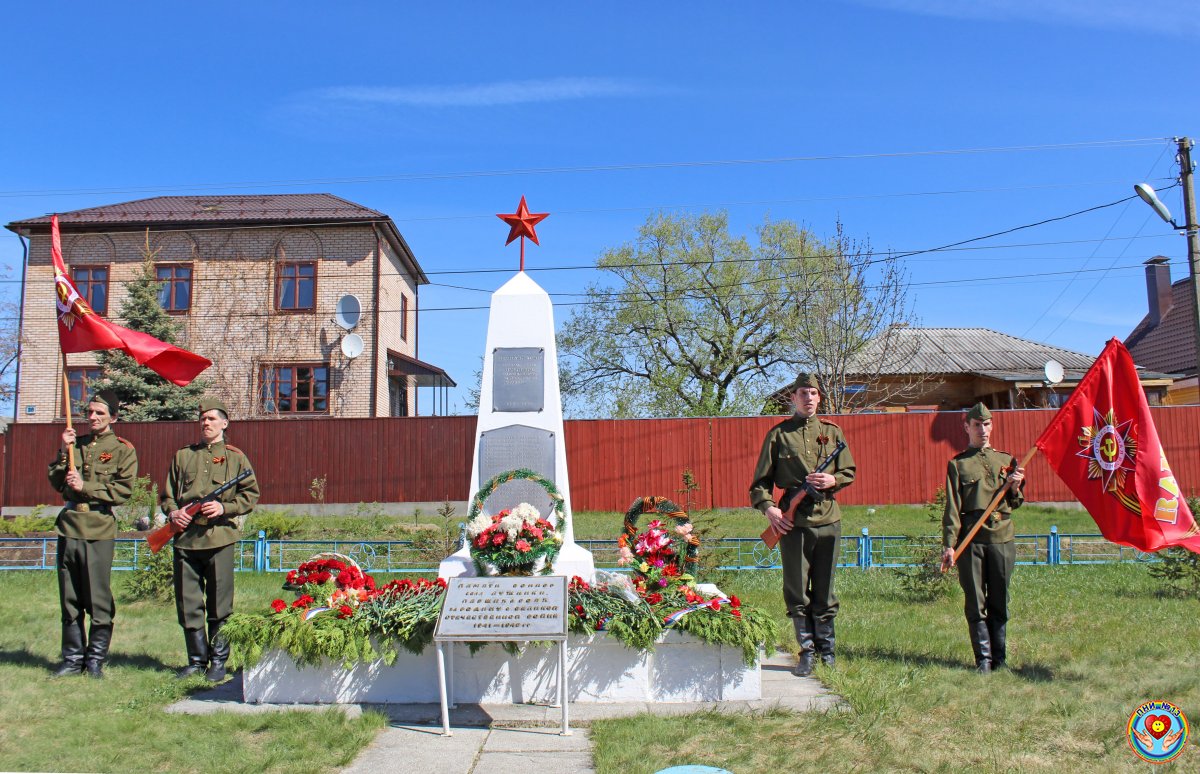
(520, 474)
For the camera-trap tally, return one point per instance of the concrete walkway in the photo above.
(511, 738)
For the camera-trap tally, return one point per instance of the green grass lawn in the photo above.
(1087, 644)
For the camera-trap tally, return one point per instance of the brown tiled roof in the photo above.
(969, 350)
(1171, 345)
(224, 208)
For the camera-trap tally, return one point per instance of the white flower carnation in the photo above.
(526, 513)
(478, 524)
(512, 524)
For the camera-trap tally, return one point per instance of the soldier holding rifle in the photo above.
(973, 479)
(87, 530)
(205, 544)
(791, 454)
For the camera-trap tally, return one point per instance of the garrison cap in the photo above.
(108, 398)
(208, 404)
(805, 379)
(980, 412)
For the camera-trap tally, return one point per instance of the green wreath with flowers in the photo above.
(515, 541)
(665, 509)
(520, 474)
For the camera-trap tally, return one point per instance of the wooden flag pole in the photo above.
(67, 408)
(966, 541)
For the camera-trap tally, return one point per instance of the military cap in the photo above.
(805, 379)
(980, 412)
(208, 404)
(108, 398)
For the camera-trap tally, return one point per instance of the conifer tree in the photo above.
(146, 396)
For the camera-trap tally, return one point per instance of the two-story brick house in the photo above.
(254, 281)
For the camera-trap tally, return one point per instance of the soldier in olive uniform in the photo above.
(205, 545)
(984, 568)
(86, 531)
(809, 546)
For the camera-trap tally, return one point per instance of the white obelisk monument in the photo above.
(520, 410)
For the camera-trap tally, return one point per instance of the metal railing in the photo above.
(863, 551)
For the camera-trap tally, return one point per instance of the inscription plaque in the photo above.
(509, 448)
(518, 379)
(504, 609)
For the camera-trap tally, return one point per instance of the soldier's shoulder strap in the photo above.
(824, 421)
(125, 441)
(235, 449)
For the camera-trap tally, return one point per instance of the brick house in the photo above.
(1165, 339)
(254, 281)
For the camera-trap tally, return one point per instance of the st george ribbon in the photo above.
(520, 421)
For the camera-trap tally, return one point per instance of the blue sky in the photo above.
(887, 114)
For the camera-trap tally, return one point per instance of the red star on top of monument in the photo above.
(522, 222)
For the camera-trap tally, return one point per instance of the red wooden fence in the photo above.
(901, 457)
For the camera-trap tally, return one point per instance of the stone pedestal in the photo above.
(682, 668)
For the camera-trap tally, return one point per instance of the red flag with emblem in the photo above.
(80, 329)
(1104, 446)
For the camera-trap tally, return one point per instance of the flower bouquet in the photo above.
(516, 541)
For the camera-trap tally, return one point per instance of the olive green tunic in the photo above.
(792, 450)
(197, 470)
(108, 466)
(972, 480)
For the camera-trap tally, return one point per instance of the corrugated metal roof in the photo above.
(967, 350)
(1171, 345)
(223, 208)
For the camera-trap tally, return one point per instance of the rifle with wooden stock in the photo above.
(161, 536)
(794, 496)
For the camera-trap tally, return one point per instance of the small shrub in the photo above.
(277, 525)
(142, 502)
(27, 523)
(152, 581)
(1180, 568)
(924, 580)
(937, 506)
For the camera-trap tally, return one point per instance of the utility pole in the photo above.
(1193, 236)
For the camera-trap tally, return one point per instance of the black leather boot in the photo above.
(999, 645)
(804, 636)
(981, 643)
(823, 638)
(99, 638)
(218, 650)
(72, 650)
(197, 653)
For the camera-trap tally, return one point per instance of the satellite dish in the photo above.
(352, 345)
(1054, 372)
(348, 312)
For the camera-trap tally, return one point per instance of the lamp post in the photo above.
(1189, 228)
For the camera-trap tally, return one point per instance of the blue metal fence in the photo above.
(864, 551)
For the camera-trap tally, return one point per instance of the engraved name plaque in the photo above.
(504, 609)
(508, 448)
(518, 379)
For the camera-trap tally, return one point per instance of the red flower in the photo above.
(523, 546)
(733, 600)
(654, 599)
(579, 610)
(715, 605)
(279, 605)
(345, 611)
(498, 540)
(736, 613)
(441, 582)
(304, 601)
(599, 624)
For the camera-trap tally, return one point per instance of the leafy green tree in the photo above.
(146, 396)
(698, 322)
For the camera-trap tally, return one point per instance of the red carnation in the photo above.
(278, 605)
(498, 540)
(579, 610)
(736, 613)
(715, 604)
(304, 601)
(733, 600)
(654, 599)
(345, 611)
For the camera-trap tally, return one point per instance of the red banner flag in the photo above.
(80, 329)
(1104, 446)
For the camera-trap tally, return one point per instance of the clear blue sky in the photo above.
(460, 109)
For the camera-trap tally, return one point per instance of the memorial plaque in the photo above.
(518, 379)
(504, 609)
(509, 448)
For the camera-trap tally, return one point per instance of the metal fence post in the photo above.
(864, 549)
(260, 552)
(1052, 546)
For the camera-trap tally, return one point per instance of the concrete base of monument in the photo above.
(572, 560)
(681, 668)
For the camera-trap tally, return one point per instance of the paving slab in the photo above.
(421, 749)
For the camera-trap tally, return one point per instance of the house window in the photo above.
(78, 381)
(175, 292)
(295, 388)
(296, 287)
(92, 284)
(397, 396)
(403, 317)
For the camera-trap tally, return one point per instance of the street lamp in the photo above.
(1188, 228)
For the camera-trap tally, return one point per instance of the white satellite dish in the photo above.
(352, 345)
(348, 312)
(1054, 372)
